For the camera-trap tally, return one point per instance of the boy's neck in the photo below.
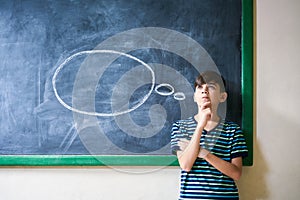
(211, 125)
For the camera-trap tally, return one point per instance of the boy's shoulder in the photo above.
(230, 123)
(230, 127)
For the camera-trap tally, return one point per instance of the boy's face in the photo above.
(209, 92)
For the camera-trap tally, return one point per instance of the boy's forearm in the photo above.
(232, 169)
(188, 156)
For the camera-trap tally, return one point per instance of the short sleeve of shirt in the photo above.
(175, 136)
(239, 147)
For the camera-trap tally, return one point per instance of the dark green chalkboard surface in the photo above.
(101, 82)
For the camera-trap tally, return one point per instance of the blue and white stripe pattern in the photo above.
(204, 181)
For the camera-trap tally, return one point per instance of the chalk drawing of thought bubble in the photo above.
(94, 52)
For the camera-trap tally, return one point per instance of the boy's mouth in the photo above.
(205, 99)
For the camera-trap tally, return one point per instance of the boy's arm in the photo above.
(189, 150)
(232, 169)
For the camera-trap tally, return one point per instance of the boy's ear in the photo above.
(223, 97)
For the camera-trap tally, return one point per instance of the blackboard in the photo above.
(101, 82)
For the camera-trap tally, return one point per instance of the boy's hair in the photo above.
(210, 76)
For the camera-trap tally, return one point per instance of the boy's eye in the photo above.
(199, 87)
(213, 87)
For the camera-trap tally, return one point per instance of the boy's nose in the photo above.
(205, 89)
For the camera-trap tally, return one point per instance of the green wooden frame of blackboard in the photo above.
(148, 160)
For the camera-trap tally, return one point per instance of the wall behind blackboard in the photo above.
(38, 36)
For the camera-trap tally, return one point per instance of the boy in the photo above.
(209, 169)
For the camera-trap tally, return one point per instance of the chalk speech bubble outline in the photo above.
(61, 66)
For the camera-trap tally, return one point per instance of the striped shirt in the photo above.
(204, 181)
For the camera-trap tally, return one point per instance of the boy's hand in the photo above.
(204, 113)
(203, 153)
(183, 143)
